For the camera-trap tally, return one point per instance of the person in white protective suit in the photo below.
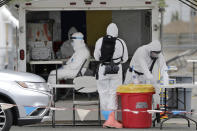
(107, 82)
(146, 65)
(66, 48)
(73, 65)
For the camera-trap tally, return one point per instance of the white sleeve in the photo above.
(142, 62)
(162, 64)
(97, 50)
(75, 62)
(69, 60)
(163, 69)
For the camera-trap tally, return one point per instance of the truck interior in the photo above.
(134, 27)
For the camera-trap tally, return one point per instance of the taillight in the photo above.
(103, 3)
(22, 54)
(148, 2)
(73, 3)
(27, 4)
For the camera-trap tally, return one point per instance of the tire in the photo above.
(6, 118)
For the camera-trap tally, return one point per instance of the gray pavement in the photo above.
(166, 127)
(171, 125)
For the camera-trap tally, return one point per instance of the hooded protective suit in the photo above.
(73, 65)
(108, 83)
(66, 48)
(141, 63)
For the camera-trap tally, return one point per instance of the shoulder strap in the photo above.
(122, 51)
(152, 65)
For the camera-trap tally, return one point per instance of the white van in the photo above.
(137, 20)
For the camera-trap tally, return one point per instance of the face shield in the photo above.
(76, 39)
(154, 54)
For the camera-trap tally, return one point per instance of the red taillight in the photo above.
(148, 2)
(22, 54)
(27, 3)
(103, 3)
(73, 3)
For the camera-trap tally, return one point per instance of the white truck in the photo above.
(137, 20)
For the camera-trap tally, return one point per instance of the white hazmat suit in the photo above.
(141, 63)
(107, 84)
(66, 48)
(73, 65)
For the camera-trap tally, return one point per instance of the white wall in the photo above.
(7, 26)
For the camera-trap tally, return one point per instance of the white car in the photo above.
(31, 95)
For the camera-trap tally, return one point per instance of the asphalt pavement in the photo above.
(176, 124)
(166, 127)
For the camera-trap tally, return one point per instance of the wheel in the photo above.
(6, 119)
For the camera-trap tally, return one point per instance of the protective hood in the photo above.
(71, 31)
(78, 41)
(154, 46)
(112, 30)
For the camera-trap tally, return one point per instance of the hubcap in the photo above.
(2, 119)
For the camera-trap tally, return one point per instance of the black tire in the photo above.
(6, 118)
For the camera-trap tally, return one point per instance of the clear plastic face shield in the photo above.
(75, 39)
(154, 54)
